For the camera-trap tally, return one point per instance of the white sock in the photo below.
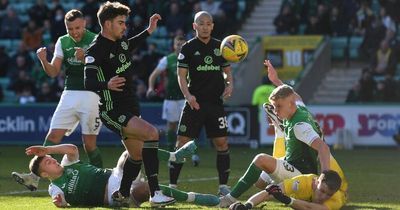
(172, 157)
(230, 197)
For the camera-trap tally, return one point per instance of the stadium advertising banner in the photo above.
(289, 54)
(28, 125)
(366, 125)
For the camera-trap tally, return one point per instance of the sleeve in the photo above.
(135, 41)
(58, 49)
(300, 103)
(305, 132)
(162, 64)
(54, 190)
(183, 57)
(66, 162)
(298, 187)
(337, 201)
(94, 78)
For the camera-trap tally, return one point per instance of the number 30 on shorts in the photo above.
(222, 122)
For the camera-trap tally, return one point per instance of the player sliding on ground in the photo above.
(76, 183)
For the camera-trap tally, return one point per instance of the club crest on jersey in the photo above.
(89, 59)
(124, 45)
(217, 52)
(181, 56)
(122, 58)
(121, 118)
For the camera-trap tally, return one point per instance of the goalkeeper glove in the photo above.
(276, 191)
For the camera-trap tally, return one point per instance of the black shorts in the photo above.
(118, 117)
(212, 116)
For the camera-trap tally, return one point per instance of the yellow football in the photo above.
(234, 48)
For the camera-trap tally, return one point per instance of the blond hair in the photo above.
(281, 92)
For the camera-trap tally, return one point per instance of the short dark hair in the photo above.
(332, 180)
(72, 15)
(34, 165)
(110, 10)
(179, 38)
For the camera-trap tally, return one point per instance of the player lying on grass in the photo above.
(308, 192)
(304, 146)
(80, 184)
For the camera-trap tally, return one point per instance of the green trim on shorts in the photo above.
(110, 121)
(150, 144)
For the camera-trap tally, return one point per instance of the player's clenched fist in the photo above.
(42, 53)
(276, 191)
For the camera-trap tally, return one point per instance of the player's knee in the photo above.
(260, 159)
(151, 133)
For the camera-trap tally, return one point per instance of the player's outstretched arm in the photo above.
(135, 41)
(64, 149)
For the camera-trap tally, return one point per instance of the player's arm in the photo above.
(70, 150)
(161, 66)
(135, 41)
(305, 133)
(52, 69)
(183, 85)
(228, 81)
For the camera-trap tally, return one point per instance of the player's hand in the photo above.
(79, 54)
(42, 54)
(153, 23)
(150, 93)
(276, 191)
(59, 201)
(36, 150)
(272, 74)
(116, 83)
(192, 101)
(227, 92)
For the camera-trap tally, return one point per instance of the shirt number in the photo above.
(222, 123)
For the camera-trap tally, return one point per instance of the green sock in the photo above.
(246, 181)
(177, 194)
(171, 140)
(163, 154)
(95, 158)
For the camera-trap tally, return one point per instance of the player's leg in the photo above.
(192, 197)
(171, 114)
(91, 124)
(189, 127)
(141, 130)
(217, 129)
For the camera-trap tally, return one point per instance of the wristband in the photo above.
(291, 201)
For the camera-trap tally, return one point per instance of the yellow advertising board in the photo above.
(289, 54)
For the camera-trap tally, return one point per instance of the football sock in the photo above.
(95, 158)
(223, 166)
(163, 155)
(171, 192)
(246, 181)
(151, 164)
(131, 170)
(174, 171)
(171, 140)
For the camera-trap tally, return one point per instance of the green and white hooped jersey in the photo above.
(81, 183)
(74, 69)
(300, 132)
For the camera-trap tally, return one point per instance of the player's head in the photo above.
(328, 183)
(140, 192)
(203, 24)
(284, 101)
(178, 42)
(112, 19)
(75, 24)
(45, 166)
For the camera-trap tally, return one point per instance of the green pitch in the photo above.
(373, 175)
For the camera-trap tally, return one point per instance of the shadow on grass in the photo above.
(355, 206)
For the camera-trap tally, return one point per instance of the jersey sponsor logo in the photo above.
(208, 59)
(181, 56)
(122, 58)
(208, 68)
(121, 118)
(217, 52)
(123, 67)
(89, 59)
(73, 181)
(124, 45)
(197, 53)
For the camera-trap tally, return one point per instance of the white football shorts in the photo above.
(284, 170)
(172, 110)
(74, 107)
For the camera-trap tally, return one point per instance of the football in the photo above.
(234, 48)
(140, 191)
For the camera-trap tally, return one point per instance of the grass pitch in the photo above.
(373, 175)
